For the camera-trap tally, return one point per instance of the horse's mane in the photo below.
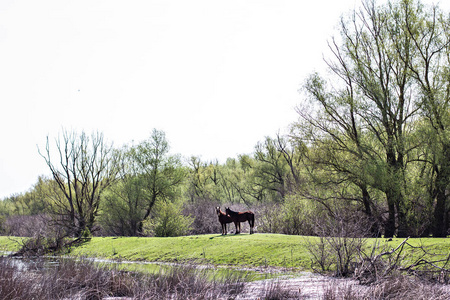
(231, 211)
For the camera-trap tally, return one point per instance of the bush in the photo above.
(204, 214)
(290, 217)
(341, 241)
(25, 226)
(168, 221)
(269, 220)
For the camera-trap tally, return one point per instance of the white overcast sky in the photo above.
(216, 76)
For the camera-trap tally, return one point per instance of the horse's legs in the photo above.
(251, 222)
(237, 224)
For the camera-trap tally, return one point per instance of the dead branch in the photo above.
(374, 267)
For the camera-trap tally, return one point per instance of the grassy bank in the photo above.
(255, 250)
(9, 244)
(271, 250)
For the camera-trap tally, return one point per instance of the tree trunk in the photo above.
(374, 225)
(440, 225)
(402, 230)
(389, 228)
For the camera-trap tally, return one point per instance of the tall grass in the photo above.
(396, 287)
(83, 279)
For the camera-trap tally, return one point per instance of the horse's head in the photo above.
(218, 210)
(227, 210)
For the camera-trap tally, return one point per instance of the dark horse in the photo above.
(224, 219)
(239, 217)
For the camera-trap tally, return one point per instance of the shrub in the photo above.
(268, 219)
(342, 238)
(25, 226)
(168, 221)
(290, 217)
(204, 216)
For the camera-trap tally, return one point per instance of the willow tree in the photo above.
(124, 205)
(82, 168)
(366, 106)
(429, 31)
(161, 173)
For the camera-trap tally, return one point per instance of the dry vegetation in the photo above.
(71, 279)
(395, 287)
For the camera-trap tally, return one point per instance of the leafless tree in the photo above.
(82, 167)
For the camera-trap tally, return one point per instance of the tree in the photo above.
(367, 107)
(124, 202)
(85, 167)
(161, 173)
(198, 180)
(428, 29)
(205, 180)
(271, 170)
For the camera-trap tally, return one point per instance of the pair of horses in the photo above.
(236, 217)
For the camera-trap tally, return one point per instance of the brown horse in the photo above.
(239, 217)
(224, 219)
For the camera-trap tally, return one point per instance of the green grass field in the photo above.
(251, 250)
(268, 250)
(9, 244)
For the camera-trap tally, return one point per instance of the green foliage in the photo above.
(86, 234)
(124, 206)
(168, 221)
(293, 216)
(373, 139)
(32, 202)
(148, 175)
(162, 174)
(296, 216)
(389, 71)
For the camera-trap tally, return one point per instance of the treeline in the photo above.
(371, 147)
(142, 189)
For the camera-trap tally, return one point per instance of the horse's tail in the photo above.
(252, 220)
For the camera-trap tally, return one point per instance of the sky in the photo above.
(215, 76)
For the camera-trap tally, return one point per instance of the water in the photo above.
(213, 272)
(300, 285)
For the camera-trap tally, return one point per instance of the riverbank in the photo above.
(88, 279)
(259, 250)
(273, 254)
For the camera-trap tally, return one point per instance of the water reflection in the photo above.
(24, 264)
